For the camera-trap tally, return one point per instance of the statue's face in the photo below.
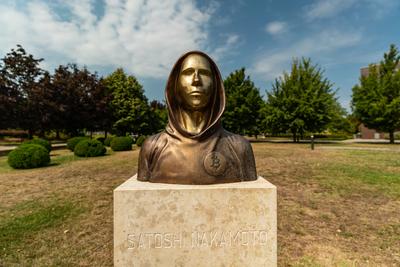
(195, 82)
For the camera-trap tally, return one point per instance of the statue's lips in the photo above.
(196, 93)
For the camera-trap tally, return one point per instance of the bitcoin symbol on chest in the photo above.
(214, 163)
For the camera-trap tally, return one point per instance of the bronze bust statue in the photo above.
(194, 148)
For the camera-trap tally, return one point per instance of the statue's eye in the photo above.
(205, 72)
(188, 71)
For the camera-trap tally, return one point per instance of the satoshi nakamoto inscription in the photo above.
(197, 239)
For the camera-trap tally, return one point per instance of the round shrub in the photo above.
(72, 142)
(39, 141)
(107, 141)
(121, 143)
(28, 156)
(140, 140)
(89, 148)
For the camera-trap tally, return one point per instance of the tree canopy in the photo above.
(300, 101)
(129, 105)
(376, 99)
(243, 104)
(19, 86)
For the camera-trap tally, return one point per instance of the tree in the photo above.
(129, 105)
(159, 115)
(340, 121)
(376, 100)
(243, 104)
(20, 75)
(80, 98)
(299, 101)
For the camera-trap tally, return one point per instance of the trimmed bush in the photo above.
(28, 156)
(121, 143)
(39, 141)
(140, 140)
(89, 148)
(72, 142)
(107, 141)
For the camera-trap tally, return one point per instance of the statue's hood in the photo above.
(174, 126)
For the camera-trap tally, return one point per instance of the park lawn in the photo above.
(336, 207)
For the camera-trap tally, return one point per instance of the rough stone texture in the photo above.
(230, 224)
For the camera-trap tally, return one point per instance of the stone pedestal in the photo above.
(195, 225)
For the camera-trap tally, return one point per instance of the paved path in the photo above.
(4, 150)
(393, 149)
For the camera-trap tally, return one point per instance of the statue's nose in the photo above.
(196, 79)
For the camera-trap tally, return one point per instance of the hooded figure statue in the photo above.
(194, 148)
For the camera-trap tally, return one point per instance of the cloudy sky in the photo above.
(145, 37)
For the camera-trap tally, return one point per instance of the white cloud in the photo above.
(324, 44)
(144, 37)
(231, 42)
(276, 27)
(327, 8)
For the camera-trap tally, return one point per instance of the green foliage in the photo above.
(28, 156)
(129, 105)
(39, 141)
(243, 104)
(20, 91)
(121, 143)
(72, 142)
(158, 116)
(107, 141)
(140, 140)
(89, 148)
(376, 100)
(299, 101)
(101, 139)
(341, 122)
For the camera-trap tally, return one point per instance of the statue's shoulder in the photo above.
(238, 142)
(153, 141)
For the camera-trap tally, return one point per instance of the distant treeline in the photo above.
(73, 100)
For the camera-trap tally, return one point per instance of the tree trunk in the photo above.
(391, 136)
(105, 134)
(41, 133)
(58, 134)
(294, 136)
(30, 133)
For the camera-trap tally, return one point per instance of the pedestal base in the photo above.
(195, 225)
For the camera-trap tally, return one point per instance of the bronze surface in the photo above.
(194, 148)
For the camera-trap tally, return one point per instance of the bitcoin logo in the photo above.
(214, 163)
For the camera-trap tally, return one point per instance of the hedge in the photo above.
(121, 143)
(89, 148)
(29, 156)
(72, 142)
(39, 141)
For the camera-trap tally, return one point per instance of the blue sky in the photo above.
(145, 37)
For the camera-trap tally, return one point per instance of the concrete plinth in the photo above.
(195, 225)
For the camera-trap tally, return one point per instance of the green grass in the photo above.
(27, 219)
(362, 172)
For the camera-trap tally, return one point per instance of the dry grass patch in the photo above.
(337, 207)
